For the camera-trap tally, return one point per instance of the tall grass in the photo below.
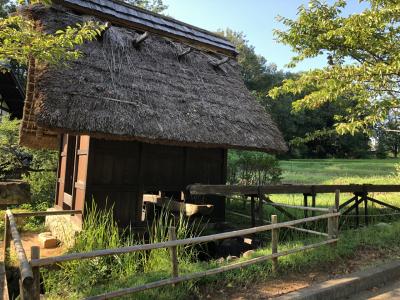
(80, 278)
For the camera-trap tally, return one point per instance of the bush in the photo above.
(252, 168)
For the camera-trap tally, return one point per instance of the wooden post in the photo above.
(244, 199)
(337, 199)
(357, 212)
(305, 203)
(253, 214)
(260, 210)
(274, 243)
(35, 254)
(174, 255)
(313, 199)
(7, 238)
(333, 225)
(365, 198)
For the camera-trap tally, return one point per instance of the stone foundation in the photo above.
(63, 228)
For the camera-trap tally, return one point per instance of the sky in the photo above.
(255, 18)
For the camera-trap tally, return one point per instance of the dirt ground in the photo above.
(31, 239)
(286, 283)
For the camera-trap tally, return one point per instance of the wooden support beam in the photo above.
(305, 203)
(313, 199)
(347, 202)
(356, 202)
(253, 213)
(46, 213)
(357, 210)
(383, 203)
(282, 210)
(260, 210)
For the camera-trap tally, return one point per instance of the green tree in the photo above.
(363, 55)
(20, 41)
(37, 167)
(156, 6)
(296, 127)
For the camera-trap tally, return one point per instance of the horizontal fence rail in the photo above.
(189, 241)
(160, 283)
(30, 270)
(29, 275)
(255, 190)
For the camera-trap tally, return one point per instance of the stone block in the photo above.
(47, 241)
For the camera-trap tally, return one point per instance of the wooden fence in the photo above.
(30, 272)
(361, 195)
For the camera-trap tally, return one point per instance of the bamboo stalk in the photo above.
(187, 241)
(46, 213)
(131, 290)
(24, 266)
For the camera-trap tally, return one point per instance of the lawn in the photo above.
(339, 171)
(331, 171)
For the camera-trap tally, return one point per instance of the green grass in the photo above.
(339, 171)
(107, 274)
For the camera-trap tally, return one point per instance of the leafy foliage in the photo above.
(156, 6)
(252, 168)
(309, 133)
(37, 167)
(363, 60)
(19, 41)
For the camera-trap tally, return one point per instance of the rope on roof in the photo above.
(218, 63)
(185, 52)
(141, 38)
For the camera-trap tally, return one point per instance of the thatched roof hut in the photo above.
(148, 92)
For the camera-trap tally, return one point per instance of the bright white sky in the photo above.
(256, 18)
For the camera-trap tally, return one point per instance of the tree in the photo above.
(363, 55)
(296, 127)
(156, 6)
(20, 41)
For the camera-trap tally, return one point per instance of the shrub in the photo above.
(249, 167)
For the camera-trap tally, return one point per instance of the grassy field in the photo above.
(339, 171)
(331, 171)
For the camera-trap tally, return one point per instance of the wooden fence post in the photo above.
(337, 199)
(173, 250)
(333, 224)
(260, 210)
(274, 243)
(253, 213)
(35, 254)
(305, 203)
(7, 237)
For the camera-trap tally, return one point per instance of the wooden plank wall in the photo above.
(119, 172)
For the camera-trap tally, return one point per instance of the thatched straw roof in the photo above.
(146, 93)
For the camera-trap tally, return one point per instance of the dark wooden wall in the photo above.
(117, 173)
